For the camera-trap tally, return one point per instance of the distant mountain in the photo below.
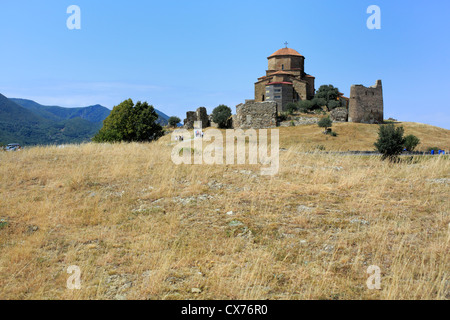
(29, 123)
(21, 125)
(94, 114)
(163, 118)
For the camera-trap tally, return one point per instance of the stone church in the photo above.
(285, 80)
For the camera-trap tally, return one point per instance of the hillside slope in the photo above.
(140, 227)
(359, 137)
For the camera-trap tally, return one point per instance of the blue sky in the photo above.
(179, 55)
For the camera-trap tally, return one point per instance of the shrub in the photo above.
(411, 142)
(318, 103)
(304, 106)
(291, 107)
(390, 141)
(174, 121)
(220, 115)
(282, 117)
(3, 223)
(333, 105)
(325, 123)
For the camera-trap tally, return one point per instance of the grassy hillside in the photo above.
(140, 227)
(359, 137)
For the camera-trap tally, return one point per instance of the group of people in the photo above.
(198, 134)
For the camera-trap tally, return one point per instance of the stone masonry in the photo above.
(286, 80)
(366, 104)
(339, 114)
(255, 115)
(199, 115)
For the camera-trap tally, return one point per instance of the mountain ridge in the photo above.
(27, 122)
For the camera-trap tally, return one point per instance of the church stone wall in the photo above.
(301, 88)
(366, 104)
(260, 91)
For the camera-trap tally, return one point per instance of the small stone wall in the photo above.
(302, 121)
(255, 115)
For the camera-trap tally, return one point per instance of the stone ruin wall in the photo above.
(366, 104)
(199, 115)
(255, 115)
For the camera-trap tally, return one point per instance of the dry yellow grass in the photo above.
(140, 227)
(360, 137)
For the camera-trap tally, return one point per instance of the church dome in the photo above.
(286, 52)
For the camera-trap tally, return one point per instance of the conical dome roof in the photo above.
(286, 52)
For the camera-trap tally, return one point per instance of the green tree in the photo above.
(411, 142)
(390, 141)
(327, 92)
(220, 115)
(333, 105)
(318, 103)
(174, 121)
(130, 123)
(325, 123)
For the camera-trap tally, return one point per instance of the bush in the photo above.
(325, 123)
(291, 107)
(130, 123)
(333, 105)
(174, 121)
(390, 141)
(220, 115)
(304, 106)
(318, 103)
(411, 142)
(282, 117)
